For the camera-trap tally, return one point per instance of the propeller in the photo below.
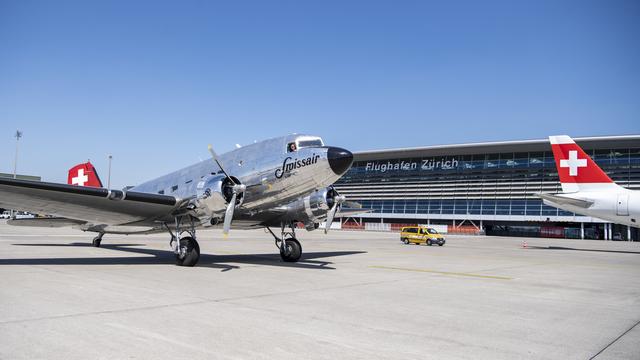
(217, 160)
(236, 190)
(228, 215)
(338, 200)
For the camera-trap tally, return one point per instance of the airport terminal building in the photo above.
(484, 187)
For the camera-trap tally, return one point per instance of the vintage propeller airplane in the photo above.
(280, 182)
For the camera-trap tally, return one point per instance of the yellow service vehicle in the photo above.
(421, 235)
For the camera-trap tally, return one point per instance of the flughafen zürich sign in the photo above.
(425, 164)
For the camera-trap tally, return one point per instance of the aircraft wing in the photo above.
(51, 222)
(90, 205)
(562, 200)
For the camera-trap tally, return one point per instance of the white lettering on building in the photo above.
(426, 164)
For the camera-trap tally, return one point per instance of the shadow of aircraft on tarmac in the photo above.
(155, 257)
(576, 249)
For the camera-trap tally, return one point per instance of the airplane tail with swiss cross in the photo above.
(576, 170)
(84, 174)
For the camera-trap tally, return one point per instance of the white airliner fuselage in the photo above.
(618, 205)
(587, 189)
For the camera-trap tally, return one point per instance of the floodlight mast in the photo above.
(109, 176)
(17, 135)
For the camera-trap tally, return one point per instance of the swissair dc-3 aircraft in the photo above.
(279, 182)
(588, 190)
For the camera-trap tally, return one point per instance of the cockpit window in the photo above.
(304, 142)
(309, 143)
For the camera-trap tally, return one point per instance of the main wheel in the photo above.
(191, 250)
(293, 251)
(406, 241)
(429, 242)
(96, 241)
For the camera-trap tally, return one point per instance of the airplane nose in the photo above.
(339, 159)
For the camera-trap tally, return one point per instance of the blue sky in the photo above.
(154, 82)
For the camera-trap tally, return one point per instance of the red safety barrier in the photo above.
(464, 229)
(352, 226)
(552, 231)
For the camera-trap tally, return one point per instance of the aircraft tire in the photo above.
(96, 242)
(192, 253)
(295, 251)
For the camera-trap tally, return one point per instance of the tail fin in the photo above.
(577, 171)
(84, 174)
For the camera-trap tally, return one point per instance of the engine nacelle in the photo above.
(311, 208)
(213, 194)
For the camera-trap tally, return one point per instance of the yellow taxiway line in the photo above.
(444, 272)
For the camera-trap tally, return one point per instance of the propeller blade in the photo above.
(338, 200)
(217, 160)
(330, 215)
(228, 216)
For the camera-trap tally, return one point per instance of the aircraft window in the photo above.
(161, 192)
(190, 181)
(309, 143)
(291, 147)
(174, 188)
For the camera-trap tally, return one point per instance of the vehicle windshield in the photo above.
(431, 231)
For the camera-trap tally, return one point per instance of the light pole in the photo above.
(109, 176)
(18, 135)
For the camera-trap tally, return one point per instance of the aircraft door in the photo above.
(622, 206)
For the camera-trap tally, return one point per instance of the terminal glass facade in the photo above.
(474, 186)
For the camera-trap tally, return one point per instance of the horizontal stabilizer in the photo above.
(563, 200)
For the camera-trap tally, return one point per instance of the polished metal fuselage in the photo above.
(274, 178)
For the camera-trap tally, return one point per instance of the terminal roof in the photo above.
(592, 142)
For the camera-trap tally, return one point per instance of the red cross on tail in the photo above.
(576, 169)
(84, 174)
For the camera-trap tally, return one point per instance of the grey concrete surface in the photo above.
(355, 295)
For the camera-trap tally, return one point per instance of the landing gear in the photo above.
(189, 252)
(97, 240)
(292, 250)
(187, 249)
(289, 246)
